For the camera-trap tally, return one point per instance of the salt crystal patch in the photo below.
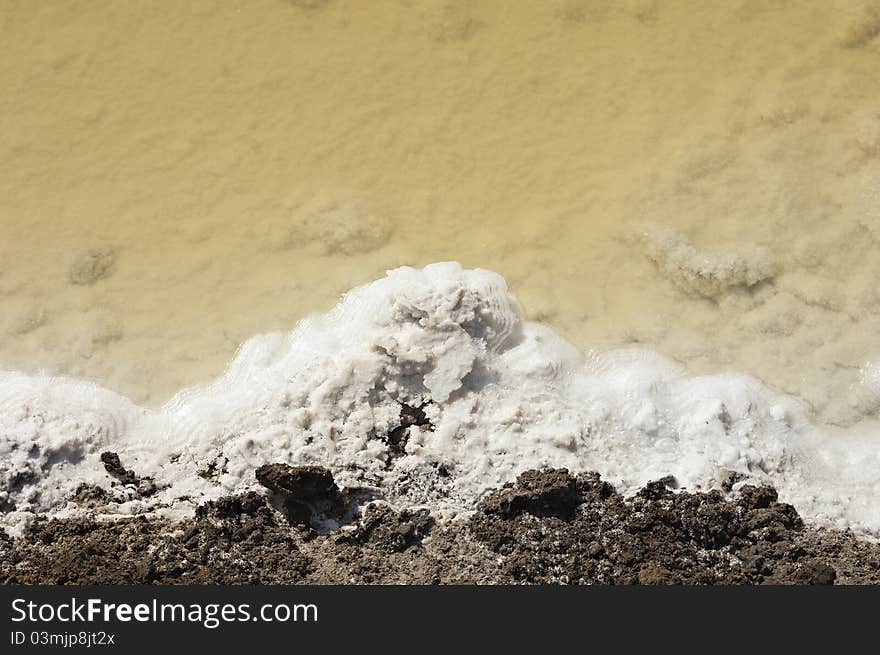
(701, 273)
(503, 395)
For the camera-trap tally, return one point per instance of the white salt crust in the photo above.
(504, 395)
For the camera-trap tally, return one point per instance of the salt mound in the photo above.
(501, 394)
(51, 432)
(326, 226)
(700, 273)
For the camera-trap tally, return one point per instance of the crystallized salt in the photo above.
(502, 394)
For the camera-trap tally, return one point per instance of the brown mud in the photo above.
(548, 527)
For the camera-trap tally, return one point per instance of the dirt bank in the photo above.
(549, 527)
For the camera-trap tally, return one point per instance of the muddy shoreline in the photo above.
(550, 527)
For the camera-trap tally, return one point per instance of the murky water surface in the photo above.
(701, 178)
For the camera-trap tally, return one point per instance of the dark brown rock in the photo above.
(112, 464)
(301, 482)
(114, 467)
(308, 492)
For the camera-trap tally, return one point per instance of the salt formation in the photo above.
(50, 432)
(868, 390)
(92, 266)
(502, 395)
(864, 29)
(327, 226)
(700, 273)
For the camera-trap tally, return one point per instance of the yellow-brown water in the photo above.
(176, 177)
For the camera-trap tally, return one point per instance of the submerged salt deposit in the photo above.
(502, 395)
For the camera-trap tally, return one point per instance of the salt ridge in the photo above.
(504, 395)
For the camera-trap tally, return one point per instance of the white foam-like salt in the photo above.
(504, 395)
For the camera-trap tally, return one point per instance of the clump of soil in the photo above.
(214, 469)
(397, 438)
(90, 496)
(309, 493)
(539, 493)
(112, 464)
(547, 527)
